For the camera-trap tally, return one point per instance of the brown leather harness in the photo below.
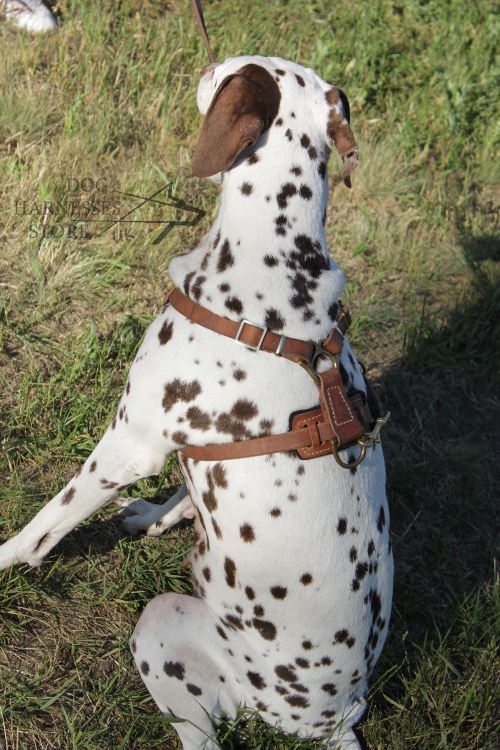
(342, 420)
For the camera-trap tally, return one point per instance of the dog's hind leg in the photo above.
(184, 666)
(138, 514)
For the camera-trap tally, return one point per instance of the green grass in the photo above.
(111, 95)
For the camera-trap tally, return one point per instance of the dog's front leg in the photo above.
(138, 514)
(119, 460)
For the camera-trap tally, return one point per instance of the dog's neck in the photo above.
(265, 258)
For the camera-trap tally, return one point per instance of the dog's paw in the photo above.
(138, 514)
(15, 552)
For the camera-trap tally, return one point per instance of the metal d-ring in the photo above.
(342, 463)
(319, 351)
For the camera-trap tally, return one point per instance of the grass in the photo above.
(112, 95)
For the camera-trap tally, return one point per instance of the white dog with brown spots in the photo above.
(291, 560)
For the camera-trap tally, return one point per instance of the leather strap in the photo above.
(256, 336)
(341, 418)
(303, 434)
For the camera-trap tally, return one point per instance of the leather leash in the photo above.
(198, 12)
(341, 421)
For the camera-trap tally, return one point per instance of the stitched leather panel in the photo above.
(312, 420)
(337, 408)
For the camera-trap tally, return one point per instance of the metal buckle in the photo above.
(319, 351)
(237, 338)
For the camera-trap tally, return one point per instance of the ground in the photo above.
(111, 95)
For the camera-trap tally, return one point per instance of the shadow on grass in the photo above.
(441, 448)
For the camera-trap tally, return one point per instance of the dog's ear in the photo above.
(244, 106)
(339, 131)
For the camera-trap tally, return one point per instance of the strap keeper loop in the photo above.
(280, 346)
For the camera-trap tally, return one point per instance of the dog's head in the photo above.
(243, 96)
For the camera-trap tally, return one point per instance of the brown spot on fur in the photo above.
(233, 422)
(218, 532)
(257, 680)
(174, 669)
(69, 495)
(221, 632)
(233, 304)
(329, 688)
(165, 332)
(247, 533)
(196, 289)
(179, 390)
(266, 629)
(342, 526)
(230, 570)
(180, 437)
(198, 419)
(107, 485)
(270, 260)
(297, 700)
(381, 519)
(219, 475)
(286, 673)
(273, 320)
(187, 282)
(226, 259)
(278, 592)
(287, 191)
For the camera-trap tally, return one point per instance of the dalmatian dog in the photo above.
(291, 559)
